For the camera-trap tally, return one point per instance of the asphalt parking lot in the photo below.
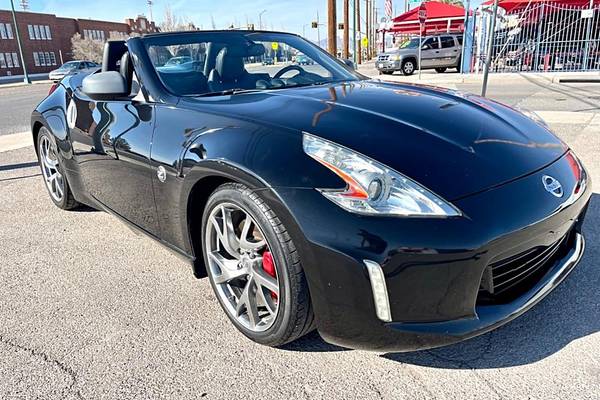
(90, 310)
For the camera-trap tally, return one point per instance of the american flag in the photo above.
(389, 9)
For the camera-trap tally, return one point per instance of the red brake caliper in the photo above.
(269, 268)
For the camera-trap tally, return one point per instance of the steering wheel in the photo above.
(289, 68)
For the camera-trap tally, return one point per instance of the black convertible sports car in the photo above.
(389, 217)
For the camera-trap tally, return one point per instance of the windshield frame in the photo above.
(341, 71)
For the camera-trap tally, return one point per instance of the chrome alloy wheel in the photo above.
(49, 163)
(409, 67)
(242, 267)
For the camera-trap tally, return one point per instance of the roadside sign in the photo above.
(365, 42)
(587, 13)
(422, 13)
(275, 46)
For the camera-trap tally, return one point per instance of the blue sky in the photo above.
(289, 15)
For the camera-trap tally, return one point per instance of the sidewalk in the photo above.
(430, 77)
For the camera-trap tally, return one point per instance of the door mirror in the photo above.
(349, 63)
(105, 85)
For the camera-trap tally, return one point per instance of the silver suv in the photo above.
(438, 52)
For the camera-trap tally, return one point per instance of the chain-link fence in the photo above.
(541, 37)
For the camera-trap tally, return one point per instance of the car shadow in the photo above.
(571, 312)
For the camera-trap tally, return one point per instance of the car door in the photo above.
(449, 51)
(430, 52)
(111, 147)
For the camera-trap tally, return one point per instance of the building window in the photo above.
(31, 33)
(15, 60)
(9, 61)
(3, 34)
(53, 58)
(2, 61)
(48, 61)
(48, 35)
(9, 31)
(36, 30)
(36, 59)
(42, 33)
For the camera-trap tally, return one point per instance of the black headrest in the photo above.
(126, 69)
(113, 51)
(230, 63)
(230, 60)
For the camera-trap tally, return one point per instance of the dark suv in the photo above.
(438, 52)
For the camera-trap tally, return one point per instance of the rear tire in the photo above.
(274, 311)
(53, 173)
(440, 70)
(408, 67)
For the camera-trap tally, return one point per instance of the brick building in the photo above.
(46, 38)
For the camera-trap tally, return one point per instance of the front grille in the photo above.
(383, 58)
(506, 279)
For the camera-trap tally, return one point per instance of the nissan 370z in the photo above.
(390, 217)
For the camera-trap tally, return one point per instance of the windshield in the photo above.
(69, 65)
(213, 63)
(410, 44)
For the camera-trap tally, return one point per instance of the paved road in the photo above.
(16, 105)
(90, 310)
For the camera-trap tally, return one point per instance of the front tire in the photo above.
(254, 268)
(53, 173)
(408, 67)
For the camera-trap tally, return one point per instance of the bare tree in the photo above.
(86, 48)
(173, 23)
(457, 3)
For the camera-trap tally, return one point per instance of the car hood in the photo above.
(455, 144)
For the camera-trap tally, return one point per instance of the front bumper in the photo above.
(388, 66)
(433, 268)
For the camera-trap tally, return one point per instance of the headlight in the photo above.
(397, 57)
(373, 188)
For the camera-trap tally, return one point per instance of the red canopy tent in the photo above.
(512, 6)
(441, 17)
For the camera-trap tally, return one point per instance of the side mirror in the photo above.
(105, 85)
(349, 63)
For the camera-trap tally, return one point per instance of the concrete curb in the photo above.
(19, 84)
(15, 141)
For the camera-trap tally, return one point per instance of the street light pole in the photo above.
(260, 14)
(23, 64)
(332, 27)
(488, 58)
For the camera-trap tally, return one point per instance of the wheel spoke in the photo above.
(246, 244)
(224, 236)
(266, 280)
(271, 308)
(229, 268)
(247, 302)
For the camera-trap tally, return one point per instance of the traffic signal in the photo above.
(341, 25)
(315, 25)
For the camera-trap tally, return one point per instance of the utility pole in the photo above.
(354, 53)
(332, 27)
(488, 58)
(368, 26)
(18, 35)
(359, 45)
(346, 52)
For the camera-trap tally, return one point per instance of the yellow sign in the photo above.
(365, 42)
(275, 46)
